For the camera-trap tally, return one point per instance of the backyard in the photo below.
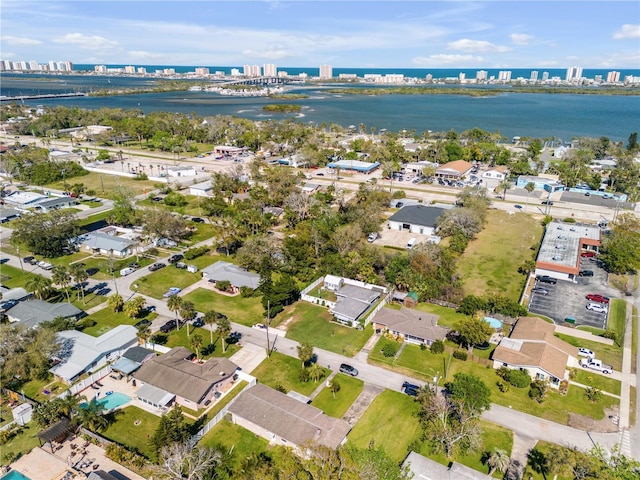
(490, 263)
(306, 322)
(246, 311)
(283, 371)
(132, 427)
(155, 284)
(350, 389)
(106, 319)
(179, 338)
(103, 184)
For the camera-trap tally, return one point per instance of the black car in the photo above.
(348, 369)
(410, 389)
(169, 326)
(156, 266)
(175, 258)
(198, 322)
(92, 271)
(586, 273)
(547, 279)
(143, 322)
(547, 202)
(197, 220)
(134, 265)
(30, 260)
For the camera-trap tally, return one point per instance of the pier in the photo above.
(20, 98)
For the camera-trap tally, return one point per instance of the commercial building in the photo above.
(269, 70)
(574, 74)
(454, 170)
(326, 72)
(420, 219)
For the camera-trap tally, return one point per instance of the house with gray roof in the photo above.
(17, 294)
(178, 375)
(237, 276)
(352, 302)
(54, 203)
(105, 244)
(412, 326)
(22, 199)
(202, 189)
(132, 359)
(30, 313)
(420, 219)
(7, 214)
(424, 468)
(81, 353)
(283, 420)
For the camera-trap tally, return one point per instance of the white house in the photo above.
(420, 219)
(333, 283)
(202, 189)
(497, 173)
(181, 171)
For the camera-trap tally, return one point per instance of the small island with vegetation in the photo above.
(289, 96)
(282, 108)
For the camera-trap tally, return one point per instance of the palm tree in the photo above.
(223, 329)
(70, 404)
(498, 460)
(529, 187)
(80, 276)
(196, 343)
(60, 276)
(504, 186)
(90, 416)
(316, 372)
(144, 333)
(115, 302)
(210, 318)
(40, 286)
(174, 303)
(187, 311)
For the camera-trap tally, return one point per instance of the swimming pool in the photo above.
(14, 475)
(493, 322)
(115, 400)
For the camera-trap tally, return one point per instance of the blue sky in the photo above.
(376, 34)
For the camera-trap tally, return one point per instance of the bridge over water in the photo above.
(262, 81)
(19, 98)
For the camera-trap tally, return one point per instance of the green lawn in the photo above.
(21, 444)
(350, 388)
(96, 217)
(246, 311)
(241, 442)
(124, 431)
(618, 319)
(191, 208)
(155, 284)
(391, 422)
(312, 323)
(106, 319)
(34, 388)
(104, 184)
(423, 364)
(611, 354)
(490, 262)
(601, 382)
(12, 277)
(283, 370)
(448, 316)
(180, 338)
(532, 471)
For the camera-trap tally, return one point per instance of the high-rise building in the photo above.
(202, 71)
(504, 76)
(534, 75)
(573, 74)
(545, 76)
(235, 72)
(613, 77)
(326, 72)
(142, 70)
(129, 69)
(270, 70)
(481, 75)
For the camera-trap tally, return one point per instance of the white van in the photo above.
(411, 243)
(126, 271)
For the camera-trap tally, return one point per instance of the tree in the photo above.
(474, 331)
(316, 372)
(115, 302)
(529, 187)
(470, 393)
(123, 212)
(196, 343)
(40, 286)
(305, 353)
(498, 460)
(133, 307)
(503, 186)
(334, 387)
(60, 276)
(158, 223)
(91, 416)
(171, 429)
(70, 404)
(182, 461)
(46, 234)
(174, 303)
(224, 330)
(80, 276)
(210, 318)
(621, 248)
(187, 311)
(144, 333)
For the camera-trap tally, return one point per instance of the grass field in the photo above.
(618, 319)
(12, 277)
(155, 284)
(21, 444)
(180, 338)
(490, 262)
(611, 354)
(106, 319)
(601, 382)
(282, 370)
(532, 471)
(123, 429)
(191, 208)
(241, 442)
(350, 388)
(448, 316)
(104, 183)
(246, 311)
(312, 323)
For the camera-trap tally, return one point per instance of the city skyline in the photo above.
(359, 34)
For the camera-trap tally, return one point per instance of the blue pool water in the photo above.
(493, 322)
(114, 400)
(14, 475)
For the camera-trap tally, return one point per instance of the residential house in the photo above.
(54, 203)
(419, 219)
(412, 326)
(30, 313)
(424, 468)
(532, 346)
(132, 359)
(283, 420)
(7, 214)
(13, 294)
(237, 276)
(106, 242)
(179, 376)
(499, 172)
(22, 200)
(455, 170)
(353, 302)
(81, 353)
(181, 171)
(202, 189)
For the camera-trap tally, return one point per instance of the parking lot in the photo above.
(568, 299)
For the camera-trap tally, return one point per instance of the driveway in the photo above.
(568, 299)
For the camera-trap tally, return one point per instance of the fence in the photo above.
(221, 414)
(87, 382)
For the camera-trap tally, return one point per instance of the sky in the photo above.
(300, 33)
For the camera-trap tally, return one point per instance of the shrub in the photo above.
(246, 292)
(223, 285)
(610, 334)
(196, 252)
(280, 388)
(437, 347)
(519, 378)
(390, 349)
(399, 194)
(423, 347)
(593, 394)
(569, 220)
(547, 220)
(304, 376)
(573, 373)
(503, 372)
(502, 386)
(153, 251)
(538, 390)
(159, 338)
(175, 200)
(141, 176)
(564, 387)
(460, 355)
(85, 323)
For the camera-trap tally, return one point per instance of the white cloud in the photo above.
(143, 55)
(20, 41)
(271, 52)
(442, 60)
(476, 46)
(627, 31)
(89, 42)
(521, 38)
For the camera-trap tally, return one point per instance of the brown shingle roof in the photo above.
(173, 373)
(411, 322)
(296, 422)
(460, 166)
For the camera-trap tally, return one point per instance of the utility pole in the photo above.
(268, 322)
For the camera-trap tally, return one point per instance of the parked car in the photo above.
(540, 291)
(181, 265)
(596, 297)
(586, 273)
(261, 326)
(585, 352)
(175, 258)
(546, 279)
(595, 364)
(372, 237)
(156, 266)
(410, 389)
(519, 207)
(30, 260)
(134, 265)
(167, 327)
(171, 292)
(198, 322)
(596, 307)
(547, 202)
(197, 220)
(589, 254)
(142, 323)
(349, 370)
(587, 194)
(127, 271)
(45, 265)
